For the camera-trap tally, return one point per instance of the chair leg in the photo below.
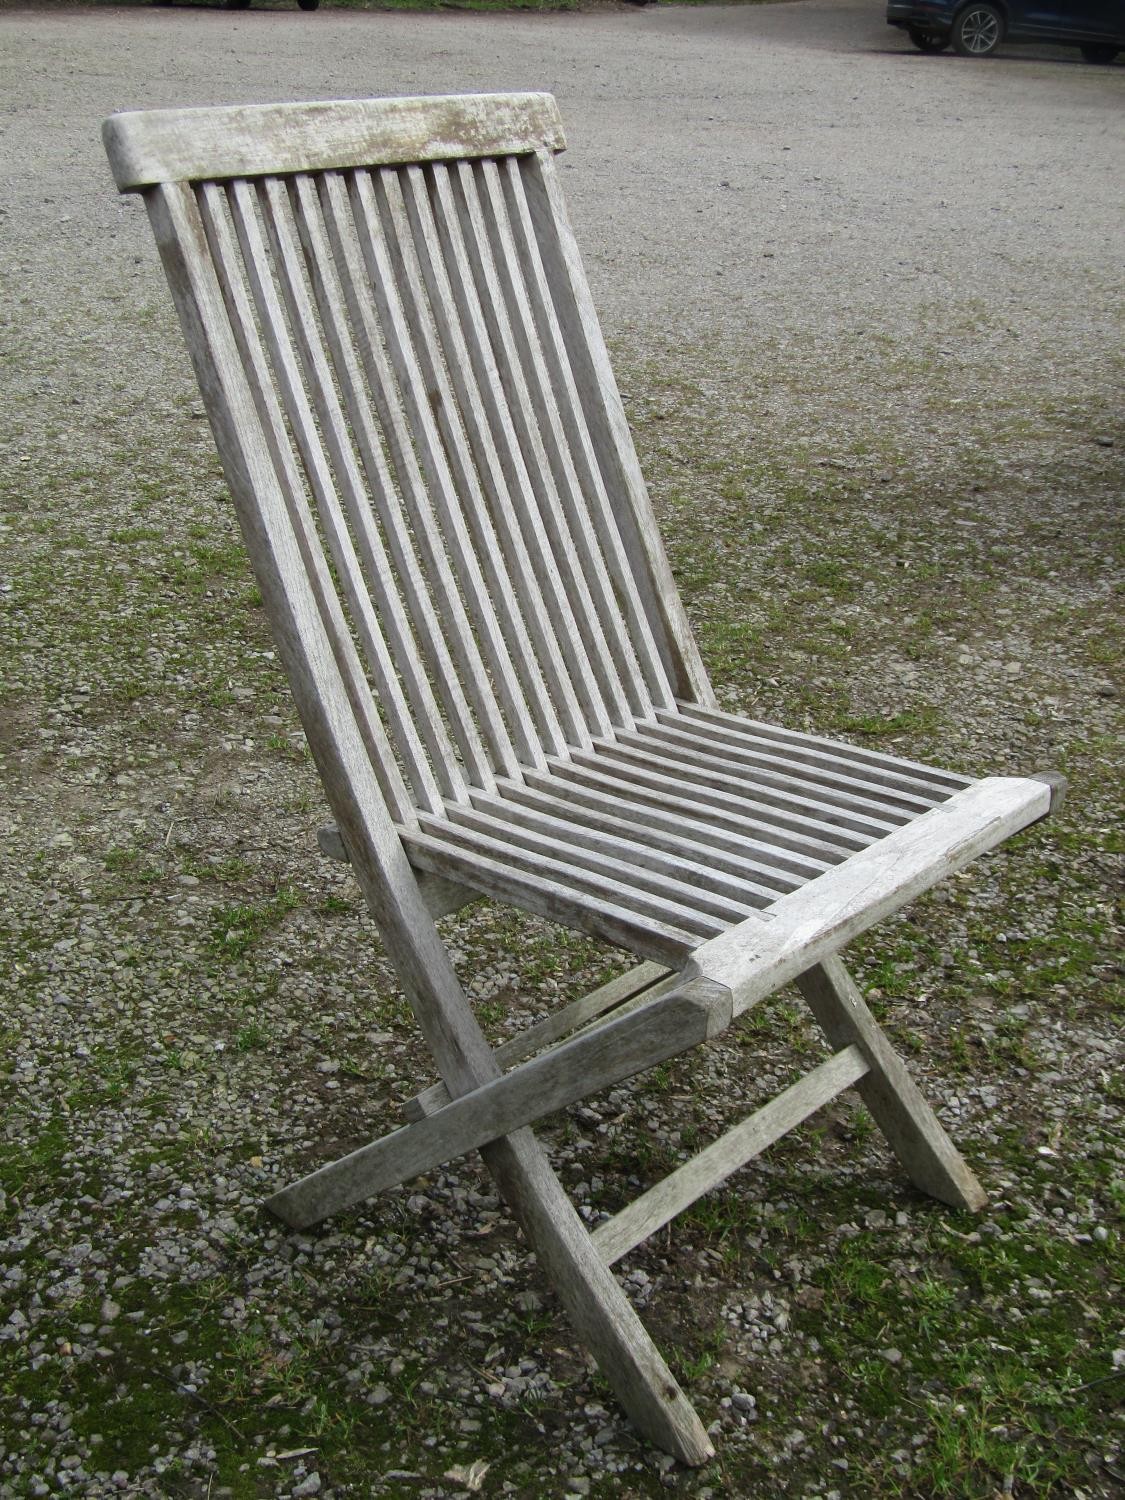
(912, 1130)
(602, 1315)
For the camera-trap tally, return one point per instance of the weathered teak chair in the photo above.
(439, 494)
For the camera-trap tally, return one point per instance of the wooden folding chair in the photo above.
(440, 498)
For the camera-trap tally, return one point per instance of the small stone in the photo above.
(308, 1486)
(893, 1356)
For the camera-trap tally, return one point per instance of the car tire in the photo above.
(1098, 52)
(928, 41)
(978, 30)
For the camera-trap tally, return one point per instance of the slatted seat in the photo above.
(670, 832)
(420, 429)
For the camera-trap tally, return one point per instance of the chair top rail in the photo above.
(146, 147)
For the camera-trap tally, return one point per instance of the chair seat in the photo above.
(668, 833)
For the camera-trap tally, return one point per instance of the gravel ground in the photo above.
(866, 308)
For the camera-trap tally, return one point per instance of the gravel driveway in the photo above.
(866, 308)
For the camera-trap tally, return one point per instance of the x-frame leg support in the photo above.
(599, 1310)
(894, 1100)
(577, 1263)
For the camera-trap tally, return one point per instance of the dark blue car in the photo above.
(976, 28)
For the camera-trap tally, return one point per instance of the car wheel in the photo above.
(1098, 52)
(928, 41)
(977, 30)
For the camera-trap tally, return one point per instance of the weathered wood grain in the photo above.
(821, 918)
(153, 146)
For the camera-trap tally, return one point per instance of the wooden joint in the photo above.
(440, 895)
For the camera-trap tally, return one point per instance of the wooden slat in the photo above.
(252, 140)
(310, 430)
(822, 805)
(876, 788)
(574, 539)
(790, 841)
(441, 896)
(514, 597)
(701, 863)
(220, 277)
(734, 852)
(412, 522)
(792, 739)
(504, 190)
(609, 429)
(467, 242)
(527, 508)
(575, 870)
(822, 917)
(660, 942)
(713, 1165)
(473, 376)
(411, 654)
(488, 673)
(614, 858)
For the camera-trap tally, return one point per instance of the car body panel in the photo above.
(1025, 20)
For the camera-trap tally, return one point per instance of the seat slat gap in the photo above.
(612, 856)
(733, 723)
(646, 936)
(745, 858)
(681, 857)
(562, 865)
(770, 828)
(897, 799)
(822, 804)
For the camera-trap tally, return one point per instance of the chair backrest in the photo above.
(419, 425)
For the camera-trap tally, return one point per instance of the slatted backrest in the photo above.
(416, 415)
